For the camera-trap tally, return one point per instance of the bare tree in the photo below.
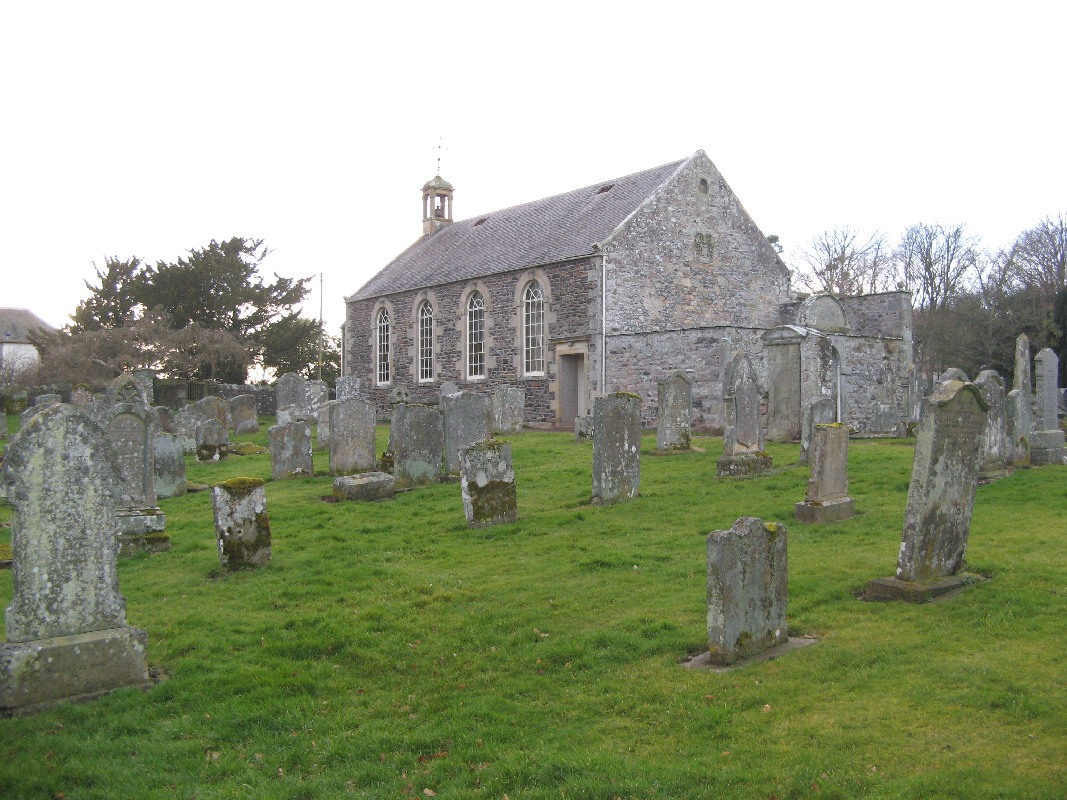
(1040, 257)
(843, 261)
(936, 263)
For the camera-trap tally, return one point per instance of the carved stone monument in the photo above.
(827, 497)
(742, 451)
(244, 415)
(1046, 447)
(994, 445)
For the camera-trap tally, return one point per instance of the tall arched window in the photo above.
(476, 336)
(384, 373)
(533, 330)
(426, 341)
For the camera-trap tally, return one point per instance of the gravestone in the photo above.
(952, 374)
(242, 527)
(290, 450)
(1018, 427)
(418, 438)
(169, 465)
(819, 412)
(146, 379)
(366, 486)
(748, 571)
(244, 416)
(166, 419)
(318, 395)
(509, 409)
(185, 422)
(45, 400)
(214, 407)
(993, 455)
(291, 398)
(1046, 446)
(827, 497)
(446, 389)
(322, 426)
(352, 435)
(487, 481)
(583, 428)
(674, 413)
(468, 418)
(616, 447)
(81, 397)
(944, 474)
(401, 394)
(1022, 379)
(212, 440)
(67, 636)
(348, 386)
(742, 440)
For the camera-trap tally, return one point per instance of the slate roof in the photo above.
(542, 232)
(16, 324)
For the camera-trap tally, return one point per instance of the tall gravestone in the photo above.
(827, 497)
(509, 409)
(214, 407)
(291, 398)
(169, 465)
(352, 435)
(318, 395)
(67, 636)
(242, 527)
(742, 440)
(944, 475)
(418, 443)
(818, 412)
(1018, 427)
(1046, 447)
(290, 450)
(616, 447)
(1022, 378)
(244, 415)
(468, 418)
(674, 413)
(994, 435)
(322, 426)
(487, 483)
(748, 571)
(348, 386)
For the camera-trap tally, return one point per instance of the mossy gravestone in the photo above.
(674, 413)
(212, 440)
(487, 481)
(291, 398)
(417, 441)
(742, 440)
(67, 635)
(242, 527)
(290, 450)
(616, 447)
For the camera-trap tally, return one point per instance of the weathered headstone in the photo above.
(166, 419)
(365, 486)
(742, 451)
(291, 398)
(212, 440)
(827, 497)
(81, 397)
(1019, 427)
(748, 571)
(214, 407)
(819, 412)
(290, 450)
(67, 636)
(993, 456)
(169, 465)
(468, 418)
(509, 409)
(674, 413)
(583, 428)
(146, 379)
(348, 386)
(401, 394)
(446, 389)
(1022, 378)
(487, 481)
(242, 527)
(1046, 447)
(352, 435)
(318, 395)
(244, 416)
(616, 447)
(418, 444)
(940, 497)
(185, 422)
(322, 426)
(952, 374)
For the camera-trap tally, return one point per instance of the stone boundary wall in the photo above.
(887, 314)
(266, 399)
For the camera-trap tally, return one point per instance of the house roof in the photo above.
(16, 324)
(542, 232)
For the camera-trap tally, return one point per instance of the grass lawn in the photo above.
(388, 651)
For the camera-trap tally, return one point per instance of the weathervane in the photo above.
(440, 148)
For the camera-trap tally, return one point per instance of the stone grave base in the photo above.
(1046, 447)
(831, 511)
(365, 486)
(887, 589)
(703, 661)
(143, 532)
(993, 473)
(743, 464)
(41, 673)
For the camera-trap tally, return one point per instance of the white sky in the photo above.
(149, 128)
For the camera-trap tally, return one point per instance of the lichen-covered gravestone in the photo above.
(818, 412)
(748, 572)
(468, 418)
(1022, 377)
(674, 413)
(937, 519)
(994, 447)
(291, 398)
(81, 397)
(214, 407)
(352, 435)
(185, 421)
(827, 497)
(487, 480)
(290, 450)
(583, 428)
(742, 440)
(67, 635)
(1019, 427)
(1046, 447)
(212, 440)
(365, 486)
(242, 527)
(244, 415)
(418, 441)
(509, 409)
(318, 395)
(348, 386)
(616, 447)
(169, 465)
(322, 426)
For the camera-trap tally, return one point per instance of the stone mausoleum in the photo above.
(610, 288)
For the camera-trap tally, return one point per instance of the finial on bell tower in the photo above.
(436, 200)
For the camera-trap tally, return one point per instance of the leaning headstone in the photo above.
(214, 407)
(742, 440)
(674, 413)
(616, 447)
(348, 386)
(944, 475)
(748, 571)
(468, 418)
(244, 416)
(67, 636)
(583, 428)
(994, 444)
(318, 395)
(169, 465)
(242, 527)
(291, 398)
(1019, 427)
(418, 444)
(487, 480)
(509, 409)
(81, 397)
(290, 450)
(1046, 447)
(365, 486)
(1022, 378)
(827, 497)
(818, 412)
(212, 440)
(352, 435)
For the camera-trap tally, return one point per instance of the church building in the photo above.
(613, 287)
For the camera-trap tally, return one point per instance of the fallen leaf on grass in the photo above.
(429, 792)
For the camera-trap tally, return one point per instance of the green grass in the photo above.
(388, 649)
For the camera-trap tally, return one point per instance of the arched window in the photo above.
(533, 330)
(426, 341)
(476, 336)
(384, 373)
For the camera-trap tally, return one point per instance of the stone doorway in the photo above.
(573, 389)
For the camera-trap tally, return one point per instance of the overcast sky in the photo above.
(146, 129)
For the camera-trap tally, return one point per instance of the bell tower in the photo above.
(436, 204)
